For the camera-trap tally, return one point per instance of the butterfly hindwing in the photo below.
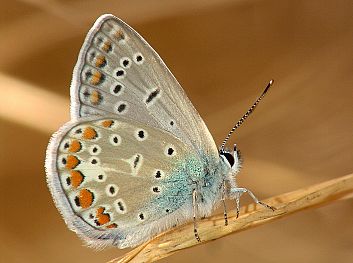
(110, 176)
(119, 73)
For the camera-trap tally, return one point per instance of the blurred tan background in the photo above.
(223, 53)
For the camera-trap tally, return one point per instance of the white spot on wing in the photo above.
(61, 161)
(101, 177)
(77, 131)
(121, 107)
(115, 139)
(65, 145)
(141, 134)
(111, 190)
(139, 58)
(119, 73)
(63, 178)
(95, 149)
(141, 216)
(94, 161)
(125, 62)
(135, 163)
(158, 174)
(170, 150)
(92, 171)
(117, 89)
(120, 206)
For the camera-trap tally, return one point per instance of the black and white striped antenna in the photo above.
(242, 119)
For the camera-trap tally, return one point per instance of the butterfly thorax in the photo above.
(209, 184)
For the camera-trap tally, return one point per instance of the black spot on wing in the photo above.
(136, 161)
(152, 96)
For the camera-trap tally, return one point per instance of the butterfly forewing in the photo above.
(119, 73)
(116, 174)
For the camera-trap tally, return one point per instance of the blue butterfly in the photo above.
(136, 158)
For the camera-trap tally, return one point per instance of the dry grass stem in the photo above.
(252, 215)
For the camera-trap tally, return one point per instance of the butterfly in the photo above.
(136, 158)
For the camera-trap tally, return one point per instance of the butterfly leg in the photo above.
(224, 204)
(240, 191)
(194, 195)
(237, 203)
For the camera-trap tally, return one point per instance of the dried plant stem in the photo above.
(252, 215)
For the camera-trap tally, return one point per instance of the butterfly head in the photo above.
(231, 158)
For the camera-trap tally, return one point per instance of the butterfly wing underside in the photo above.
(109, 176)
(119, 73)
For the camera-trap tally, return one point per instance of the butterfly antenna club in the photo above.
(242, 119)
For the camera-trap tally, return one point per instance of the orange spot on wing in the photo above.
(107, 46)
(102, 218)
(76, 178)
(86, 198)
(72, 161)
(95, 97)
(89, 133)
(100, 61)
(96, 78)
(112, 226)
(107, 123)
(75, 146)
(119, 34)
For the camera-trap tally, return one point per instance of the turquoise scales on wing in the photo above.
(190, 174)
(104, 163)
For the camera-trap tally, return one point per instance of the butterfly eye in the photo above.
(229, 157)
(139, 59)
